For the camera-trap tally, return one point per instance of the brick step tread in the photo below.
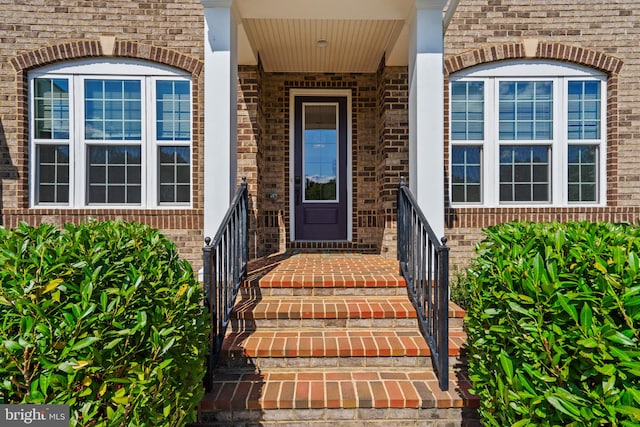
(336, 389)
(321, 292)
(333, 280)
(334, 343)
(331, 307)
(325, 308)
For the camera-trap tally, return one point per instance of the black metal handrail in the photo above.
(224, 269)
(424, 263)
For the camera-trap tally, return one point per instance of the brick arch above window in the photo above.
(553, 51)
(93, 48)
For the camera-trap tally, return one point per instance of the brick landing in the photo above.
(332, 339)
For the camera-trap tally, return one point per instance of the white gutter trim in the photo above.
(453, 5)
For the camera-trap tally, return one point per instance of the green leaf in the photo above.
(84, 343)
(507, 365)
(619, 338)
(629, 410)
(586, 317)
(12, 346)
(564, 406)
(569, 308)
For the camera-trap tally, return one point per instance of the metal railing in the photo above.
(224, 269)
(424, 263)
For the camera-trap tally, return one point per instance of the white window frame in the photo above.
(532, 70)
(117, 69)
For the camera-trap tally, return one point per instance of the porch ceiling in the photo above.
(287, 34)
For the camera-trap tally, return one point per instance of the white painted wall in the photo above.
(220, 112)
(426, 111)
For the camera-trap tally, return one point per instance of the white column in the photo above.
(426, 111)
(220, 111)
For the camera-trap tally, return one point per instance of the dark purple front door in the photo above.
(320, 168)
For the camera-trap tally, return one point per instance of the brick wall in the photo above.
(604, 36)
(35, 33)
(393, 148)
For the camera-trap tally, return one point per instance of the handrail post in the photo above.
(402, 225)
(209, 294)
(245, 224)
(443, 313)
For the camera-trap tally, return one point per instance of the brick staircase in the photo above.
(328, 339)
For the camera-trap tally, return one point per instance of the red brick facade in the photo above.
(604, 37)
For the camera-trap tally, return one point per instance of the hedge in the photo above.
(553, 324)
(104, 317)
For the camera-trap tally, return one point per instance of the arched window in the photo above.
(110, 132)
(528, 133)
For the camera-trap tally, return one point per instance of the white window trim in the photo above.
(560, 74)
(76, 72)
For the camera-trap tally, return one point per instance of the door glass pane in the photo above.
(320, 152)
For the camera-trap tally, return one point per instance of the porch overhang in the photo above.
(338, 36)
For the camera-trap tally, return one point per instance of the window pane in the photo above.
(524, 174)
(525, 110)
(174, 174)
(52, 174)
(114, 174)
(51, 108)
(467, 107)
(113, 109)
(173, 110)
(466, 174)
(582, 173)
(583, 110)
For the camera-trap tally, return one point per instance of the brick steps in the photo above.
(337, 343)
(251, 313)
(335, 389)
(332, 339)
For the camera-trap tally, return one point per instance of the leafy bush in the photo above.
(460, 288)
(553, 326)
(104, 317)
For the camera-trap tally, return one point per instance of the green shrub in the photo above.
(104, 317)
(460, 288)
(554, 323)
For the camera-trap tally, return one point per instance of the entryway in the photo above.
(321, 177)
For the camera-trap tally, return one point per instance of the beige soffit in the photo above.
(321, 45)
